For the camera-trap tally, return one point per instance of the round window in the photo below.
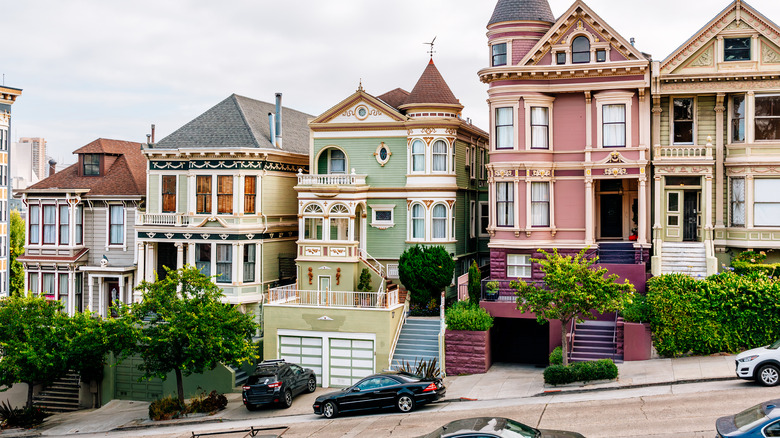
(383, 154)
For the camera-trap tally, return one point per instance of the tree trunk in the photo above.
(565, 341)
(180, 386)
(29, 395)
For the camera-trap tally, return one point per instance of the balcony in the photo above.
(684, 152)
(167, 219)
(291, 296)
(332, 179)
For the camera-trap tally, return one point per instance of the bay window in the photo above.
(682, 113)
(768, 117)
(203, 258)
(439, 156)
(505, 133)
(505, 204)
(249, 263)
(35, 224)
(225, 194)
(250, 193)
(224, 263)
(737, 202)
(418, 221)
(540, 204)
(79, 231)
(439, 221)
(766, 206)
(203, 194)
(418, 156)
(64, 221)
(48, 284)
(312, 228)
(32, 283)
(540, 128)
(49, 224)
(63, 287)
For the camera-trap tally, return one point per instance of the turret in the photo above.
(514, 27)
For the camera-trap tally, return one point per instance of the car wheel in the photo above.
(329, 410)
(311, 385)
(768, 375)
(287, 399)
(405, 403)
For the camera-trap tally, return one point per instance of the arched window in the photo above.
(418, 156)
(312, 226)
(439, 221)
(418, 222)
(337, 162)
(339, 222)
(580, 50)
(439, 156)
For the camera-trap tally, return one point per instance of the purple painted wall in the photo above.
(467, 352)
(637, 341)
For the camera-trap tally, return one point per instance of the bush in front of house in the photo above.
(466, 316)
(638, 310)
(25, 418)
(556, 356)
(168, 408)
(210, 403)
(603, 369)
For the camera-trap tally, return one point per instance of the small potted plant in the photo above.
(491, 290)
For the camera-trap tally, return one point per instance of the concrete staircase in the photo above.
(595, 340)
(241, 376)
(61, 396)
(419, 340)
(684, 258)
(619, 253)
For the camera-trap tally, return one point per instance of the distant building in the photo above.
(23, 173)
(37, 146)
(8, 96)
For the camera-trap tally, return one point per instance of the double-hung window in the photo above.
(440, 156)
(766, 206)
(91, 165)
(614, 125)
(225, 194)
(418, 156)
(518, 266)
(505, 130)
(499, 54)
(737, 202)
(32, 283)
(738, 118)
(418, 221)
(203, 194)
(117, 224)
(484, 218)
(736, 49)
(540, 127)
(540, 204)
(768, 117)
(250, 194)
(169, 193)
(505, 204)
(203, 258)
(64, 221)
(79, 231)
(682, 113)
(48, 284)
(49, 224)
(35, 224)
(63, 287)
(249, 263)
(439, 221)
(224, 263)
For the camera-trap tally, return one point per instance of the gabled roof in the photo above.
(125, 177)
(568, 19)
(522, 10)
(240, 122)
(431, 88)
(705, 34)
(357, 96)
(394, 98)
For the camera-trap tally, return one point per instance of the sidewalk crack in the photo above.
(538, 423)
(642, 407)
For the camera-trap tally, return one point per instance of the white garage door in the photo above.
(350, 360)
(302, 350)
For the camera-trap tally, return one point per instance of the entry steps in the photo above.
(594, 340)
(241, 376)
(684, 258)
(618, 253)
(62, 395)
(419, 340)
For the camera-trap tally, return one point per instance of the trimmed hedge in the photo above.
(603, 369)
(727, 312)
(638, 310)
(746, 267)
(465, 316)
(556, 356)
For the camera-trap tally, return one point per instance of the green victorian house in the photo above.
(388, 172)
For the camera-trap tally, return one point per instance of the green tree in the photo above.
(17, 249)
(475, 284)
(186, 328)
(364, 284)
(34, 348)
(572, 289)
(425, 271)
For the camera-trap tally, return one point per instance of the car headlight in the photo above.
(748, 358)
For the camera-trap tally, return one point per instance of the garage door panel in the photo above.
(350, 361)
(305, 351)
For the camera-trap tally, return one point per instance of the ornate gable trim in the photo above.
(351, 101)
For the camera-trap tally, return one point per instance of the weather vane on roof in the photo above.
(431, 52)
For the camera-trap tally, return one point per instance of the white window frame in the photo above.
(446, 220)
(382, 207)
(512, 204)
(518, 262)
(329, 150)
(746, 118)
(320, 215)
(472, 219)
(614, 98)
(479, 229)
(446, 155)
(530, 102)
(732, 202)
(339, 215)
(695, 120)
(756, 203)
(531, 202)
(412, 154)
(412, 218)
(494, 137)
(755, 118)
(108, 226)
(507, 52)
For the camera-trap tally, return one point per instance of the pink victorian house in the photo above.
(569, 153)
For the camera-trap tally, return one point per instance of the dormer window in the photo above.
(736, 49)
(499, 54)
(91, 165)
(580, 50)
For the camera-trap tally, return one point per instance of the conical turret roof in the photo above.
(522, 10)
(431, 89)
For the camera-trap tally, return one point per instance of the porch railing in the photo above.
(372, 262)
(288, 295)
(331, 180)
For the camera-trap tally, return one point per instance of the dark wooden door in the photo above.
(113, 296)
(690, 215)
(611, 215)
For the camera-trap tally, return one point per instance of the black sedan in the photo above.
(402, 391)
(495, 427)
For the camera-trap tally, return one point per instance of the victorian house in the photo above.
(388, 172)
(220, 196)
(569, 154)
(80, 241)
(716, 141)
(8, 96)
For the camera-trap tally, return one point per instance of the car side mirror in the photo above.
(354, 389)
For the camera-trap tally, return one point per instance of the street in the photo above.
(658, 411)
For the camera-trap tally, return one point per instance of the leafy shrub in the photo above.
(746, 267)
(556, 357)
(430, 309)
(603, 369)
(638, 310)
(166, 408)
(465, 316)
(20, 417)
(750, 257)
(212, 402)
(364, 284)
(474, 284)
(425, 368)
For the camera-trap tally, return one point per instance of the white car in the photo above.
(760, 364)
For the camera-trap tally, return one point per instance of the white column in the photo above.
(90, 283)
(72, 224)
(141, 262)
(191, 194)
(642, 213)
(122, 280)
(589, 214)
(749, 197)
(239, 194)
(720, 107)
(707, 204)
(56, 284)
(240, 264)
(234, 264)
(351, 231)
(179, 255)
(191, 254)
(659, 206)
(149, 269)
(101, 296)
(71, 293)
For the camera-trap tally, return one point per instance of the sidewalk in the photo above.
(502, 381)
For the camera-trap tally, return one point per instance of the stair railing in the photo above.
(442, 333)
(571, 338)
(396, 337)
(372, 263)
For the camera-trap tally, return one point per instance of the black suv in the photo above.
(276, 381)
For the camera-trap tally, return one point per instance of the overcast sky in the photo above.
(97, 68)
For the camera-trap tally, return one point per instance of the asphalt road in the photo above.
(678, 411)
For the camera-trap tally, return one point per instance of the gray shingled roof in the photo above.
(240, 122)
(522, 10)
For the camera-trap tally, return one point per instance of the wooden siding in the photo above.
(664, 140)
(360, 156)
(705, 119)
(95, 237)
(388, 243)
(277, 195)
(270, 251)
(181, 194)
(153, 200)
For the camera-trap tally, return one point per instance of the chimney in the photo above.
(279, 120)
(52, 167)
(152, 133)
(272, 124)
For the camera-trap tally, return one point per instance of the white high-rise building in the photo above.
(37, 147)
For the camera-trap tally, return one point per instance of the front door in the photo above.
(166, 258)
(611, 216)
(324, 283)
(690, 214)
(113, 296)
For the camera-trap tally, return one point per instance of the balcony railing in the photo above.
(685, 151)
(290, 296)
(331, 180)
(169, 219)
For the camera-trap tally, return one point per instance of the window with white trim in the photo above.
(116, 225)
(766, 205)
(439, 221)
(339, 222)
(499, 54)
(382, 215)
(440, 156)
(48, 285)
(505, 129)
(418, 222)
(224, 263)
(518, 266)
(767, 117)
(418, 156)
(64, 222)
(312, 225)
(738, 118)
(540, 204)
(540, 127)
(682, 122)
(249, 262)
(32, 283)
(337, 161)
(35, 223)
(736, 49)
(580, 50)
(49, 224)
(79, 231)
(737, 202)
(614, 125)
(203, 258)
(505, 204)
(484, 218)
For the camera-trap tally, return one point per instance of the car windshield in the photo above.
(520, 430)
(748, 418)
(774, 346)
